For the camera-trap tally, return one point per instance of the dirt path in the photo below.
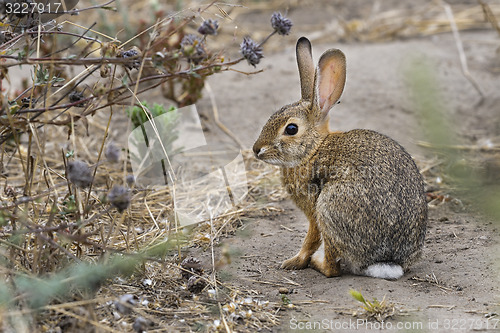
(454, 286)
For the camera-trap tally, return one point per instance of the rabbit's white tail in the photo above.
(382, 270)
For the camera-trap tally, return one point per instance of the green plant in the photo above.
(378, 310)
(69, 206)
(38, 292)
(285, 300)
(466, 172)
(138, 116)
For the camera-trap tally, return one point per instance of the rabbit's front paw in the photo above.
(296, 262)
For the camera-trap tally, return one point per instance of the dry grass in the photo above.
(52, 236)
(44, 233)
(415, 22)
(70, 260)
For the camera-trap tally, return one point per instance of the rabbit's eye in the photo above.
(291, 129)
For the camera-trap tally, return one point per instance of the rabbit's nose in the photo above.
(256, 150)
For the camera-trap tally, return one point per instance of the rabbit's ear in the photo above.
(306, 68)
(330, 79)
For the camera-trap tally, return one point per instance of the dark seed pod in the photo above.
(209, 27)
(281, 24)
(130, 179)
(193, 48)
(196, 284)
(132, 53)
(251, 51)
(191, 265)
(79, 173)
(76, 96)
(112, 153)
(119, 197)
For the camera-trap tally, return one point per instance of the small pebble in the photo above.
(284, 290)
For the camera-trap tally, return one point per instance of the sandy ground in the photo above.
(454, 287)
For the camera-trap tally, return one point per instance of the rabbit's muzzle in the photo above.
(258, 151)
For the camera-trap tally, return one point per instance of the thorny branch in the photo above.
(186, 63)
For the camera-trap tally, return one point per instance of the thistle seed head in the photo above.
(112, 153)
(79, 173)
(119, 197)
(130, 179)
(191, 265)
(193, 48)
(251, 51)
(209, 27)
(281, 24)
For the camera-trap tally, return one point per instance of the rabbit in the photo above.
(360, 190)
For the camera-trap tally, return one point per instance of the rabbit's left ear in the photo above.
(330, 80)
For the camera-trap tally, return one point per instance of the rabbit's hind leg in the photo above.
(329, 263)
(310, 245)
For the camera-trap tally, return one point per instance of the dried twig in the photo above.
(490, 17)
(461, 52)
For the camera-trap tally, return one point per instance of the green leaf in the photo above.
(285, 300)
(357, 296)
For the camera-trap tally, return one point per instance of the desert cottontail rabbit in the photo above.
(361, 191)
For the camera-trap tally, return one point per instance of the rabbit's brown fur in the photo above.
(360, 190)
